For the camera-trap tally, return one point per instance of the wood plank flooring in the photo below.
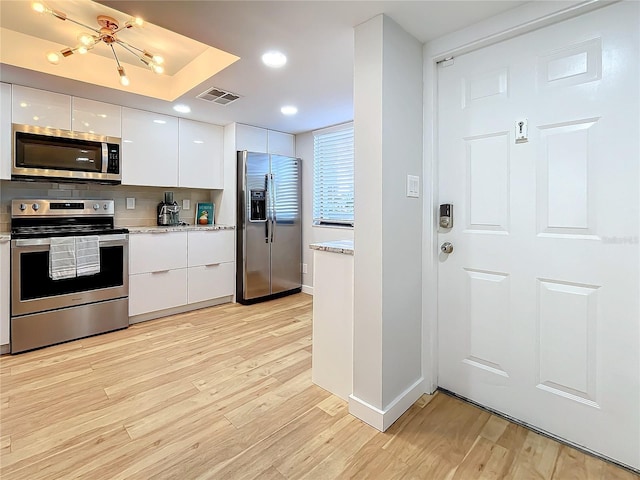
(226, 393)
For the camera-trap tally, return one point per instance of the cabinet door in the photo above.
(281, 143)
(4, 293)
(156, 252)
(5, 131)
(40, 108)
(200, 160)
(252, 139)
(96, 117)
(211, 247)
(149, 292)
(207, 282)
(149, 149)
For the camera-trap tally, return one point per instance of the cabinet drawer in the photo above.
(149, 292)
(210, 247)
(153, 252)
(207, 282)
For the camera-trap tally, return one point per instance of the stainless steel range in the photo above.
(69, 271)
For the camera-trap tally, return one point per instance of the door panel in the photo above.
(538, 303)
(256, 255)
(286, 250)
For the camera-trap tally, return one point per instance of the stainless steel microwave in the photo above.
(60, 155)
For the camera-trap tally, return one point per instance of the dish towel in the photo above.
(62, 258)
(87, 255)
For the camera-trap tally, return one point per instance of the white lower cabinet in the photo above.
(157, 271)
(160, 290)
(207, 282)
(211, 265)
(175, 269)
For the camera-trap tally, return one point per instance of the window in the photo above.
(333, 176)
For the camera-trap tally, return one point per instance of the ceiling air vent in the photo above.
(219, 96)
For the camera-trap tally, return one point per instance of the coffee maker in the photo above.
(168, 211)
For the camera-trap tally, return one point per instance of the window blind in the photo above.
(333, 191)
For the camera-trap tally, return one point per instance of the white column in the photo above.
(387, 376)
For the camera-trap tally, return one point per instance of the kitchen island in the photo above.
(332, 358)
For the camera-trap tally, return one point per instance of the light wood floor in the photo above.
(226, 393)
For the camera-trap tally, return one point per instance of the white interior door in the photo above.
(538, 304)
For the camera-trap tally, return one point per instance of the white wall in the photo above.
(387, 375)
(310, 233)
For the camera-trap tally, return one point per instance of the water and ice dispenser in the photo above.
(258, 211)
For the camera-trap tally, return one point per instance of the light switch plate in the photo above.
(131, 203)
(413, 186)
(186, 204)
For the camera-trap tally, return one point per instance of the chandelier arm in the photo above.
(126, 47)
(114, 55)
(83, 25)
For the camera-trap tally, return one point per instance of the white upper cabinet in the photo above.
(149, 149)
(253, 139)
(5, 131)
(40, 108)
(201, 162)
(281, 143)
(256, 139)
(100, 118)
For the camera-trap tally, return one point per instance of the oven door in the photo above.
(32, 289)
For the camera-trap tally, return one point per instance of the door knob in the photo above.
(446, 247)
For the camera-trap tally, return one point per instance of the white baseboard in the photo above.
(383, 419)
(144, 317)
(307, 289)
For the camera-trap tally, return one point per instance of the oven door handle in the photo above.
(105, 240)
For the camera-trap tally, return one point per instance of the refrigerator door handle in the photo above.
(267, 208)
(273, 208)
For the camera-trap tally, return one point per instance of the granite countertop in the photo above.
(5, 236)
(178, 228)
(336, 246)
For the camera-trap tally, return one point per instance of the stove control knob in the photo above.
(35, 206)
(96, 206)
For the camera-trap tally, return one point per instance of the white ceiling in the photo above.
(316, 36)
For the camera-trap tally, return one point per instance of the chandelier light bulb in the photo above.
(38, 7)
(158, 59)
(53, 58)
(124, 80)
(82, 49)
(137, 21)
(159, 69)
(86, 39)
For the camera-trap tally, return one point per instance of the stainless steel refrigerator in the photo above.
(269, 227)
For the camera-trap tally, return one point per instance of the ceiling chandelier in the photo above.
(107, 34)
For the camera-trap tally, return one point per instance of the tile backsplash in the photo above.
(146, 199)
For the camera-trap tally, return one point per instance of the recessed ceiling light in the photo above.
(289, 110)
(274, 59)
(182, 108)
